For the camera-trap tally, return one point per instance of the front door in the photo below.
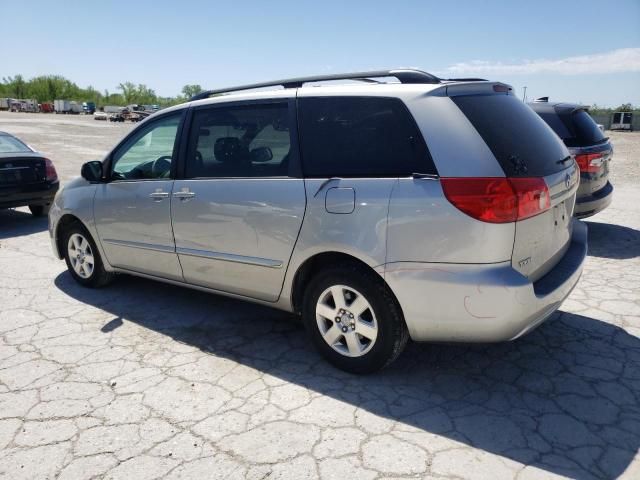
(133, 210)
(238, 210)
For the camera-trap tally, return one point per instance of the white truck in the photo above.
(5, 103)
(23, 105)
(61, 106)
(76, 107)
(622, 121)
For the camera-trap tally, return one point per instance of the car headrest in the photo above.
(230, 150)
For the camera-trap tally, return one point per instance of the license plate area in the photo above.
(16, 175)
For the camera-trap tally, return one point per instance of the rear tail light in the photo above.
(50, 170)
(498, 200)
(590, 162)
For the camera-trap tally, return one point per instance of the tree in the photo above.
(128, 91)
(15, 86)
(625, 107)
(190, 90)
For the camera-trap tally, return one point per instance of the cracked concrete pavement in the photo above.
(145, 380)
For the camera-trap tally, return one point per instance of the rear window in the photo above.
(520, 140)
(585, 129)
(11, 144)
(360, 137)
(576, 128)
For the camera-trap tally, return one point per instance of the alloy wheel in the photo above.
(80, 255)
(346, 321)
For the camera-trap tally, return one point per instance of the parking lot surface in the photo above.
(142, 380)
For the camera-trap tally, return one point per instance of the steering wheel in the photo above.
(161, 167)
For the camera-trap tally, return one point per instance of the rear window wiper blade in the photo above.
(568, 157)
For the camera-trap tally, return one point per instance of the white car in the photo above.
(100, 116)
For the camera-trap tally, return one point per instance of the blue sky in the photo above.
(584, 51)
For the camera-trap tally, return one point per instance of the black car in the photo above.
(26, 177)
(590, 147)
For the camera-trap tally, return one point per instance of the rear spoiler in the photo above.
(472, 87)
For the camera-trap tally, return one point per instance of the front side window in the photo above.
(149, 153)
(240, 141)
(360, 137)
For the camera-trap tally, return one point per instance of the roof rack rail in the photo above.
(403, 76)
(468, 79)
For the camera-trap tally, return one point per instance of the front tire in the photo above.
(353, 319)
(83, 258)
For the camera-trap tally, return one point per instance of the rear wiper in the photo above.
(568, 157)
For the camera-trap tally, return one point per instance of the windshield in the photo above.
(9, 144)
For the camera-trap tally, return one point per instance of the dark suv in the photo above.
(590, 147)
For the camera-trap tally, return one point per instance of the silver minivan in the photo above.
(381, 206)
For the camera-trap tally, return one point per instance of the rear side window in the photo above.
(239, 141)
(360, 137)
(520, 140)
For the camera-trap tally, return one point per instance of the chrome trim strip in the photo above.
(228, 257)
(143, 246)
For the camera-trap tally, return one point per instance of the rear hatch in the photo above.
(529, 152)
(587, 143)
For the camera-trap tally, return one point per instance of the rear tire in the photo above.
(83, 258)
(370, 333)
(39, 210)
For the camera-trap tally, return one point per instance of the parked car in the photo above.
(116, 117)
(100, 116)
(26, 177)
(377, 211)
(590, 147)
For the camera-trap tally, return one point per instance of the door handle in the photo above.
(184, 195)
(159, 195)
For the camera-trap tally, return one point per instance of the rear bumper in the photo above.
(29, 195)
(596, 202)
(482, 303)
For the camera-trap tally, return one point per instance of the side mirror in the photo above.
(261, 154)
(92, 171)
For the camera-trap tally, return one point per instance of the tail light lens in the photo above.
(498, 200)
(590, 162)
(50, 170)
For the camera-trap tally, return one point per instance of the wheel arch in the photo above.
(315, 263)
(63, 223)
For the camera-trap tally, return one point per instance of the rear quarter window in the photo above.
(360, 137)
(523, 144)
